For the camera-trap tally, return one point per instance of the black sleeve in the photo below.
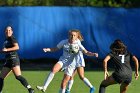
(131, 56)
(13, 39)
(110, 54)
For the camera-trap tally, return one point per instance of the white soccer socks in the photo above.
(69, 86)
(87, 82)
(48, 80)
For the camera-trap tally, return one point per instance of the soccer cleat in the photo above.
(41, 88)
(67, 91)
(92, 90)
(31, 90)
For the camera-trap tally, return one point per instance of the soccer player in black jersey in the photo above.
(123, 73)
(12, 61)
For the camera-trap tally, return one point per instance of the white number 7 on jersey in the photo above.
(122, 58)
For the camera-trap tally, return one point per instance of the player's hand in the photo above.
(46, 49)
(4, 50)
(106, 75)
(136, 75)
(96, 54)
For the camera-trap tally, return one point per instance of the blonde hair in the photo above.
(80, 36)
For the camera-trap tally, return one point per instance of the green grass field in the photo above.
(37, 78)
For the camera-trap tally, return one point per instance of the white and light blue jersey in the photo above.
(71, 60)
(66, 57)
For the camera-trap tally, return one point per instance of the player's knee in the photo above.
(71, 78)
(19, 77)
(103, 85)
(55, 70)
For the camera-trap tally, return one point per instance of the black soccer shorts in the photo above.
(10, 63)
(122, 79)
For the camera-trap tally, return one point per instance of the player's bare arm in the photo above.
(50, 49)
(136, 67)
(106, 74)
(88, 53)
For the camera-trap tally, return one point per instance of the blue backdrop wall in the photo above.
(39, 27)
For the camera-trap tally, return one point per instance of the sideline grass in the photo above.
(37, 78)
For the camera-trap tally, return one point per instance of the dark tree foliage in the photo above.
(95, 3)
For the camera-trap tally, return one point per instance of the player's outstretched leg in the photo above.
(50, 77)
(47, 82)
(25, 83)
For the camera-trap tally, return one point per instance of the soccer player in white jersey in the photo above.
(65, 60)
(78, 63)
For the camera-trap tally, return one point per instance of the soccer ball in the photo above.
(73, 48)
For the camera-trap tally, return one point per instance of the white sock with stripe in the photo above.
(87, 82)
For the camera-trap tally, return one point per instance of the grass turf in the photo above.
(11, 85)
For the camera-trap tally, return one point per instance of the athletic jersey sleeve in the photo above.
(81, 47)
(131, 55)
(110, 54)
(61, 43)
